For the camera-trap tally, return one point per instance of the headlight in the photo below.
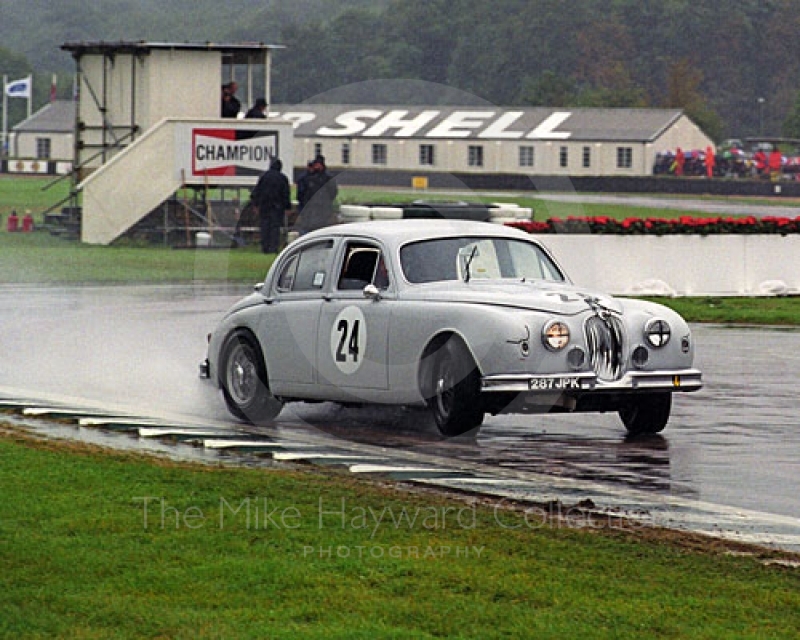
(657, 332)
(555, 335)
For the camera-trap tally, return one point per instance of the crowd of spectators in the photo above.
(764, 160)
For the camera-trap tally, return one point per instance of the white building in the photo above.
(495, 140)
(44, 143)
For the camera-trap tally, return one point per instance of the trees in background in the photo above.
(713, 58)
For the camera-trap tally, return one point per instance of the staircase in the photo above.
(133, 183)
(66, 223)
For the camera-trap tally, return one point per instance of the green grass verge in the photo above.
(30, 193)
(38, 194)
(755, 311)
(542, 209)
(79, 561)
(39, 258)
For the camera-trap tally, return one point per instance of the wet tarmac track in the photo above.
(726, 464)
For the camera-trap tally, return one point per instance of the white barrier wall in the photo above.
(673, 265)
(689, 265)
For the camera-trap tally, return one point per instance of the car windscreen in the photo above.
(476, 258)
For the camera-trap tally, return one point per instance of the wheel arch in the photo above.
(432, 346)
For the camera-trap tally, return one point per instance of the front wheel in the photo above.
(243, 378)
(454, 390)
(647, 413)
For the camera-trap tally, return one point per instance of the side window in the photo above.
(363, 265)
(306, 270)
(286, 278)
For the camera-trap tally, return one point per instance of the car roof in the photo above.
(395, 233)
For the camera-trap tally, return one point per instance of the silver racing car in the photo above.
(468, 318)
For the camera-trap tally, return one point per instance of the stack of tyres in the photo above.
(475, 211)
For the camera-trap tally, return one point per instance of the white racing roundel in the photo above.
(349, 340)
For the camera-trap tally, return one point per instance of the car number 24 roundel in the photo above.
(349, 340)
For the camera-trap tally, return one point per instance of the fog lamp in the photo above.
(576, 358)
(639, 357)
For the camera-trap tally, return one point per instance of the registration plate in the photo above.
(554, 383)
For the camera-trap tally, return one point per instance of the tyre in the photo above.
(647, 413)
(453, 390)
(386, 213)
(243, 378)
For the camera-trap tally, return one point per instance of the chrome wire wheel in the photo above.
(444, 381)
(241, 374)
(244, 381)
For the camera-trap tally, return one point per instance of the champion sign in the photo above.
(232, 152)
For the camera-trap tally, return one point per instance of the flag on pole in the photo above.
(53, 88)
(20, 88)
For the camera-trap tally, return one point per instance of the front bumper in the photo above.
(581, 383)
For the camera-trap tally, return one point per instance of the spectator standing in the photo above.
(230, 103)
(760, 158)
(258, 110)
(775, 163)
(302, 186)
(680, 160)
(319, 195)
(272, 197)
(709, 161)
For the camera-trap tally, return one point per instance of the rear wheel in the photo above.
(647, 413)
(243, 378)
(453, 393)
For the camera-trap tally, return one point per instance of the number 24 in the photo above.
(352, 343)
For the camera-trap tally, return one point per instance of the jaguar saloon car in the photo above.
(466, 318)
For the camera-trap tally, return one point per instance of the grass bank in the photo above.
(735, 310)
(22, 193)
(542, 208)
(111, 545)
(30, 193)
(39, 258)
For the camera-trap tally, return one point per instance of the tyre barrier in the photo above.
(498, 213)
(354, 213)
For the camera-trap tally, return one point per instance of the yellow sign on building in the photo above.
(419, 182)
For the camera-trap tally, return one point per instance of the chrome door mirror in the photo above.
(372, 292)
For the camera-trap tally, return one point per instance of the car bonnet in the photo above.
(535, 295)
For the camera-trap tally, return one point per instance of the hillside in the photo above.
(714, 58)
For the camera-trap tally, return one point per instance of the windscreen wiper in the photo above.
(468, 262)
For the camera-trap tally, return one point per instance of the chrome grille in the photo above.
(604, 337)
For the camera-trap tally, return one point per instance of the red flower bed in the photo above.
(662, 226)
